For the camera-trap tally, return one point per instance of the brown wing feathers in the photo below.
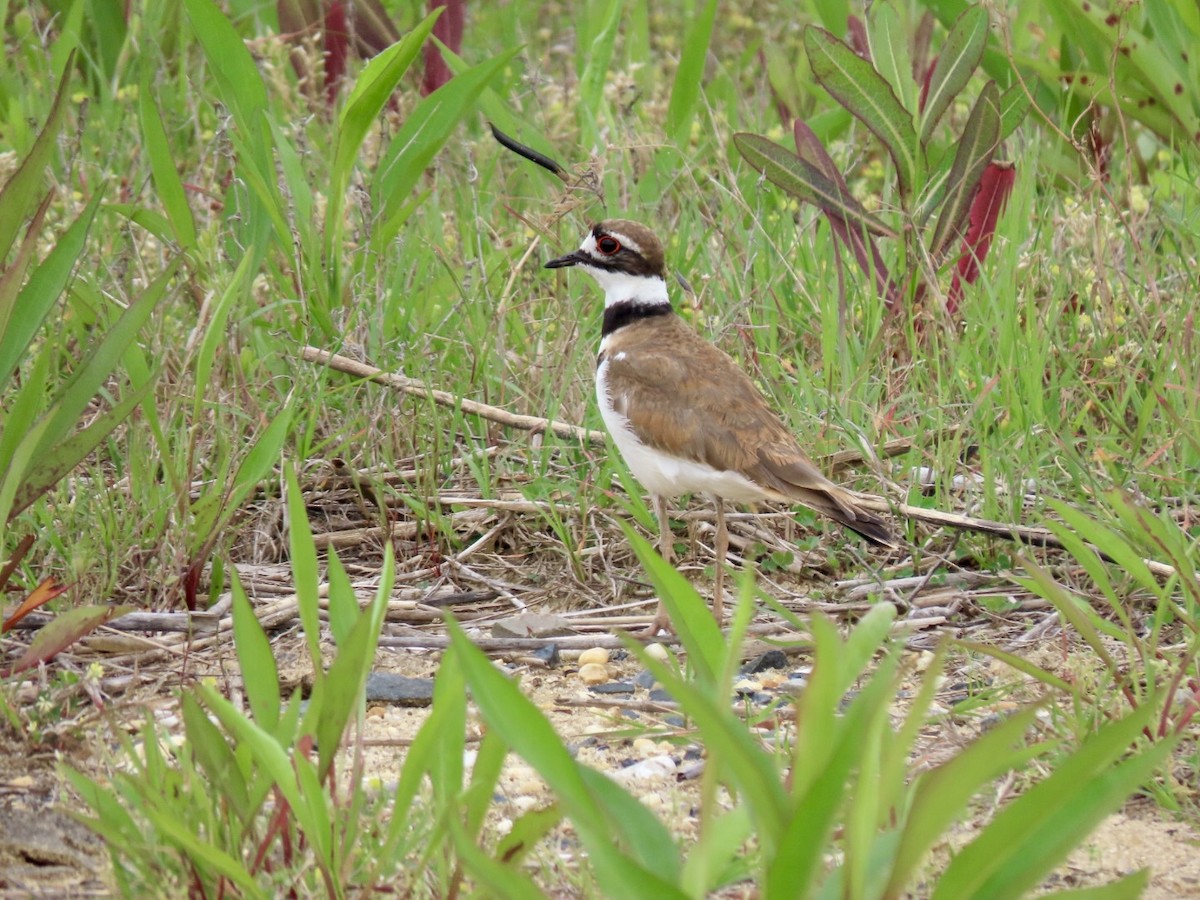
(696, 403)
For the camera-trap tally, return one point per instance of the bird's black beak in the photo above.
(571, 259)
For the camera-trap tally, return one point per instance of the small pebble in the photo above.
(645, 747)
(593, 673)
(661, 696)
(647, 769)
(746, 687)
(924, 659)
(645, 679)
(593, 656)
(657, 651)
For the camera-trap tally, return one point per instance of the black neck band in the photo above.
(629, 311)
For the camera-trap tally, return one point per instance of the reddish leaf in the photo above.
(810, 149)
(994, 187)
(336, 35)
(858, 37)
(448, 30)
(64, 631)
(41, 595)
(928, 77)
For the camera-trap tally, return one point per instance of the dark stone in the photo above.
(387, 687)
(612, 687)
(772, 659)
(645, 679)
(547, 654)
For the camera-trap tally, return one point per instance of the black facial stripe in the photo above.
(629, 311)
(625, 261)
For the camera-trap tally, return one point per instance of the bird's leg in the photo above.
(666, 542)
(718, 605)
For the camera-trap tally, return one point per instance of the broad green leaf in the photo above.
(20, 193)
(241, 86)
(954, 67)
(1116, 46)
(736, 755)
(802, 179)
(1014, 106)
(976, 147)
(260, 676)
(62, 631)
(856, 85)
(1128, 888)
(343, 603)
(646, 837)
(689, 74)
(888, 40)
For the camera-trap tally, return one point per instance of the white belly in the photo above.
(663, 474)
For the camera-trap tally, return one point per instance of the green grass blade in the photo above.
(492, 876)
(260, 676)
(690, 615)
(45, 468)
(162, 166)
(215, 757)
(343, 684)
(303, 554)
(20, 193)
(238, 80)
(855, 84)
(45, 286)
(955, 64)
(216, 332)
(527, 731)
(371, 92)
(941, 796)
(1128, 888)
(97, 367)
(1036, 831)
(425, 131)
(689, 74)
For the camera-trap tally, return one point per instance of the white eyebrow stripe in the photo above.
(627, 242)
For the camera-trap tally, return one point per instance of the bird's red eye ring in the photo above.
(608, 245)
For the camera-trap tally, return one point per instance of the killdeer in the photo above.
(683, 414)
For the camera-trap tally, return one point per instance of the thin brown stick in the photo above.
(445, 398)
(1022, 534)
